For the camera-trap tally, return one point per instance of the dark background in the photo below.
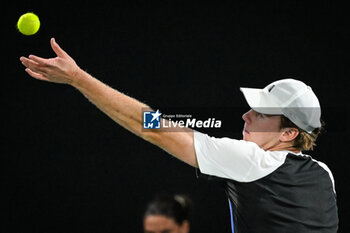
(66, 167)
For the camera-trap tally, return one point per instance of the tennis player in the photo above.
(272, 186)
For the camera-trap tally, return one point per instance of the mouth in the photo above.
(245, 134)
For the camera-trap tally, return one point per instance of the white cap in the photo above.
(289, 97)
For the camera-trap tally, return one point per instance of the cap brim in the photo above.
(259, 101)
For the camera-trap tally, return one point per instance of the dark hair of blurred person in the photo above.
(168, 214)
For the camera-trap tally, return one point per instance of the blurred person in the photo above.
(168, 214)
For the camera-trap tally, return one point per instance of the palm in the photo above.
(60, 69)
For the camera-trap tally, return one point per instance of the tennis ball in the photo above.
(28, 24)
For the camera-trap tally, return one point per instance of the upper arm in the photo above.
(179, 143)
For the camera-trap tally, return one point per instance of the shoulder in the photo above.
(324, 167)
(235, 159)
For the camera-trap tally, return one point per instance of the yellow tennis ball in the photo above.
(28, 24)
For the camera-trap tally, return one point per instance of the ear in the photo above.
(289, 134)
(185, 227)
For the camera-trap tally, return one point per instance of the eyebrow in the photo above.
(268, 115)
(166, 231)
(163, 231)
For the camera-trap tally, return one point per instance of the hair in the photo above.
(304, 141)
(177, 207)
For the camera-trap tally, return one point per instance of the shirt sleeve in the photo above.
(235, 159)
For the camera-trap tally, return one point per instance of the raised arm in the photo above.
(124, 110)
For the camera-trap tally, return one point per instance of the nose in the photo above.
(246, 117)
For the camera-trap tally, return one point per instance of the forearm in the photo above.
(124, 110)
(127, 112)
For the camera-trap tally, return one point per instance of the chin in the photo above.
(245, 136)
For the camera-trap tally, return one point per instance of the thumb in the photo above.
(57, 49)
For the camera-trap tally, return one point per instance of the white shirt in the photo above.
(238, 160)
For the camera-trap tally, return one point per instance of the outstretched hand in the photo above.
(61, 69)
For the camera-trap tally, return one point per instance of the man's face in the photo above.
(262, 129)
(162, 224)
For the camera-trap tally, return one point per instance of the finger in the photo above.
(33, 65)
(36, 75)
(39, 60)
(57, 49)
(26, 62)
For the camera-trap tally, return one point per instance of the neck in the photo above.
(280, 146)
(291, 149)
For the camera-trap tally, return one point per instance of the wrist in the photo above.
(77, 77)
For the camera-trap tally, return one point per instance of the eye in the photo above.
(260, 115)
